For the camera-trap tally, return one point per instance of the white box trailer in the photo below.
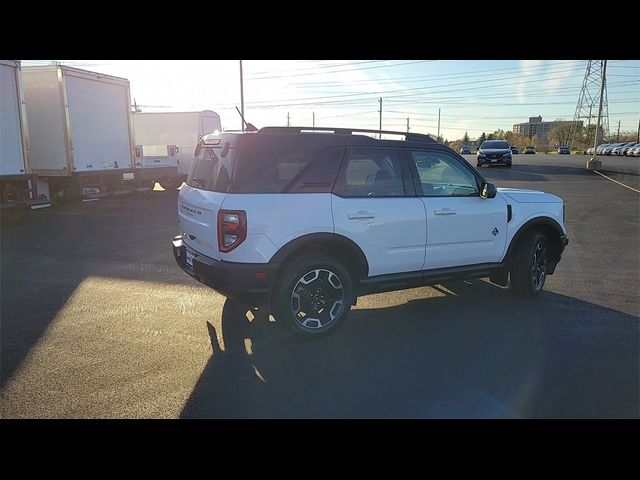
(80, 130)
(18, 186)
(183, 129)
(157, 163)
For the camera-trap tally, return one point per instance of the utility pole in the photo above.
(438, 124)
(407, 124)
(314, 119)
(593, 163)
(618, 137)
(288, 118)
(380, 100)
(241, 96)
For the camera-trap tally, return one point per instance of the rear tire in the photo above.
(529, 264)
(313, 294)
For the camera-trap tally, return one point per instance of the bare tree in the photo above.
(561, 134)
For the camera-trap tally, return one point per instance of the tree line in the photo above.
(560, 135)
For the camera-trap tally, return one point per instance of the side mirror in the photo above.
(488, 190)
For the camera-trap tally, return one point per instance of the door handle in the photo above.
(444, 211)
(360, 215)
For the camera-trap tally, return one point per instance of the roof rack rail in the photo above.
(410, 137)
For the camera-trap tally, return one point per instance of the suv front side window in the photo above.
(371, 172)
(441, 175)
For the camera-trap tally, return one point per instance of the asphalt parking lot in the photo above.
(98, 322)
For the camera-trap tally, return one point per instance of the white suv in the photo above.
(305, 222)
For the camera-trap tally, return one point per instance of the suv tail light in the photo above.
(232, 229)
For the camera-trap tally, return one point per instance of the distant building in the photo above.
(535, 126)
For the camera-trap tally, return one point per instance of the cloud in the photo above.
(353, 74)
(525, 66)
(556, 79)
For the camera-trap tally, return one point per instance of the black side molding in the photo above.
(399, 281)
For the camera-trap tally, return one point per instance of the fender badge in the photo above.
(495, 232)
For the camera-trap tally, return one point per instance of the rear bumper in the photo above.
(231, 279)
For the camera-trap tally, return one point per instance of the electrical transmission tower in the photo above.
(589, 102)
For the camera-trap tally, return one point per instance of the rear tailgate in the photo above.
(198, 219)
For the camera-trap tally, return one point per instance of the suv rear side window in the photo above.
(286, 170)
(371, 172)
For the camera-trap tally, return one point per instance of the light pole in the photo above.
(241, 96)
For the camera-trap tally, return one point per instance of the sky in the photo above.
(473, 96)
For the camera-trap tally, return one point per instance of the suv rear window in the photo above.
(209, 172)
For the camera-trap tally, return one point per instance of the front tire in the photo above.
(314, 295)
(529, 264)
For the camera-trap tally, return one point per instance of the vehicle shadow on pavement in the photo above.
(473, 351)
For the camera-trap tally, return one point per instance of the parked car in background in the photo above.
(564, 151)
(600, 149)
(529, 149)
(465, 150)
(589, 151)
(616, 150)
(634, 151)
(514, 149)
(609, 148)
(624, 150)
(494, 152)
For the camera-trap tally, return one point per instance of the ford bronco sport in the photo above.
(306, 221)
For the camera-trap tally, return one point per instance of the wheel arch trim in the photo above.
(529, 225)
(344, 244)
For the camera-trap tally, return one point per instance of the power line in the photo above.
(315, 67)
(387, 92)
(466, 74)
(343, 70)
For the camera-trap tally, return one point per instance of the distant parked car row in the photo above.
(629, 149)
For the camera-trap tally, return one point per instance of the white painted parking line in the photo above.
(615, 181)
